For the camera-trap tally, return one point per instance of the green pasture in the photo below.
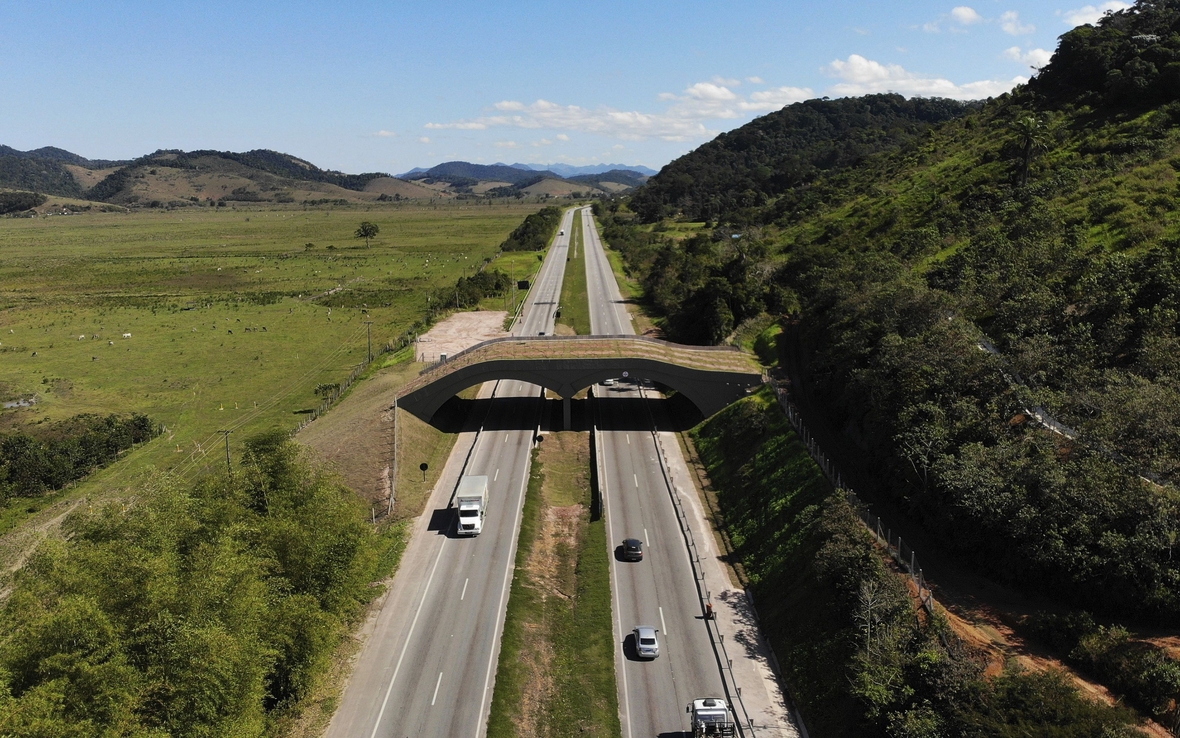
(230, 318)
(518, 265)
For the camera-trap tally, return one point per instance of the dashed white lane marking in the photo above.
(409, 638)
(497, 475)
(465, 581)
(662, 625)
(636, 478)
(435, 697)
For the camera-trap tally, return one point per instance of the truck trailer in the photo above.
(472, 500)
(710, 716)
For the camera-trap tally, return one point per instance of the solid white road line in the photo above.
(409, 638)
(508, 569)
(435, 697)
(465, 581)
(614, 610)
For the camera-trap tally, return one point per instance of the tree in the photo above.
(1031, 133)
(367, 231)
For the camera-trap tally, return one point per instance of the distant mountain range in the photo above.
(568, 171)
(464, 177)
(174, 178)
(561, 170)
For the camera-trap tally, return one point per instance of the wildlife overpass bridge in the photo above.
(710, 376)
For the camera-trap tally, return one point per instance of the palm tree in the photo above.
(1031, 132)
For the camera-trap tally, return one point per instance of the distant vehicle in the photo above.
(561, 232)
(472, 501)
(646, 644)
(710, 716)
(609, 382)
(632, 549)
(540, 333)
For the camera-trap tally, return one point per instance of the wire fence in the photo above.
(897, 548)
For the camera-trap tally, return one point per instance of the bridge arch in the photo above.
(708, 378)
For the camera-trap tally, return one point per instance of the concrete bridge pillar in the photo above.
(565, 411)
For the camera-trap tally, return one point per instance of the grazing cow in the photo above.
(231, 331)
(126, 335)
(81, 338)
(110, 343)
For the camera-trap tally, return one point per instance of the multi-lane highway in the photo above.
(428, 664)
(660, 590)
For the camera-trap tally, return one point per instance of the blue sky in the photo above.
(386, 86)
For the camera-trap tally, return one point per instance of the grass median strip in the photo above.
(575, 304)
(556, 673)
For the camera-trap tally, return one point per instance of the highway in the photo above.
(428, 665)
(661, 590)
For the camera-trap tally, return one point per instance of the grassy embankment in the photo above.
(841, 621)
(518, 265)
(575, 302)
(226, 329)
(556, 671)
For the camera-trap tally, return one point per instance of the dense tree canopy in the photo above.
(1016, 261)
(187, 612)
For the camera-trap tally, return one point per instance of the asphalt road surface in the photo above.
(660, 591)
(428, 666)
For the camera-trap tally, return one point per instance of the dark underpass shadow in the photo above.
(615, 413)
(676, 413)
(676, 734)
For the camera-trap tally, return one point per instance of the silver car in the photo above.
(647, 646)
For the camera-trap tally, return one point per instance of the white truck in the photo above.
(710, 716)
(472, 500)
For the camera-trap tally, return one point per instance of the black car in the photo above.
(632, 549)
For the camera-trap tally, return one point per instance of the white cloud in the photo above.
(423, 139)
(755, 80)
(562, 137)
(683, 118)
(1010, 22)
(507, 145)
(966, 16)
(727, 81)
(542, 142)
(1036, 58)
(1092, 14)
(861, 76)
(385, 134)
(773, 99)
(468, 126)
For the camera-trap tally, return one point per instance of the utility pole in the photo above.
(226, 434)
(393, 476)
(369, 331)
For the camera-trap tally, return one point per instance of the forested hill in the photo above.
(1019, 258)
(784, 150)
